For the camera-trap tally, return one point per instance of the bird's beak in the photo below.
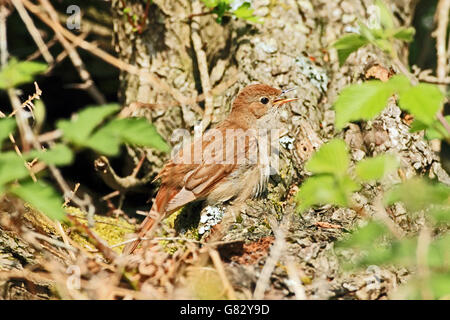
(279, 102)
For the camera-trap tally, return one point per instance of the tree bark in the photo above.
(291, 49)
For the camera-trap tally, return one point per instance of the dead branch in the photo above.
(110, 177)
(91, 88)
(202, 65)
(442, 17)
(34, 32)
(98, 242)
(275, 253)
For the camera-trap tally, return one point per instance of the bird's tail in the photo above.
(145, 227)
(157, 211)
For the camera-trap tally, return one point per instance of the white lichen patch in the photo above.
(211, 216)
(287, 142)
(316, 75)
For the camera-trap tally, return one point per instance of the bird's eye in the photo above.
(264, 100)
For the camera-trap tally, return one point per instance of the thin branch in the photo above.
(199, 14)
(442, 17)
(202, 65)
(4, 12)
(423, 244)
(276, 251)
(215, 257)
(294, 279)
(34, 32)
(91, 88)
(143, 74)
(98, 242)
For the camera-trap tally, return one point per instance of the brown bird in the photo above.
(215, 167)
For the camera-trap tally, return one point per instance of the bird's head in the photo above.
(259, 99)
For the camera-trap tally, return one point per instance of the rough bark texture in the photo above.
(289, 49)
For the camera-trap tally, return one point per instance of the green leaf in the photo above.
(434, 131)
(16, 73)
(137, 131)
(438, 253)
(42, 197)
(386, 19)
(325, 189)
(397, 252)
(140, 132)
(104, 142)
(366, 32)
(319, 190)
(58, 155)
(210, 3)
(79, 129)
(440, 214)
(221, 8)
(347, 45)
(361, 101)
(376, 168)
(365, 237)
(405, 34)
(384, 45)
(7, 126)
(246, 12)
(440, 285)
(418, 194)
(399, 83)
(332, 157)
(12, 167)
(422, 101)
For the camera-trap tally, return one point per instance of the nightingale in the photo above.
(215, 167)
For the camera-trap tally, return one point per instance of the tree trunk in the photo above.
(291, 49)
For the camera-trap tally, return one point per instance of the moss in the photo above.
(39, 220)
(112, 230)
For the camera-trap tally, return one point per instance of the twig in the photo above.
(70, 197)
(215, 257)
(19, 153)
(4, 12)
(66, 240)
(275, 253)
(38, 52)
(442, 17)
(29, 102)
(143, 74)
(50, 136)
(60, 57)
(139, 27)
(75, 57)
(295, 282)
(423, 244)
(34, 32)
(382, 215)
(123, 184)
(98, 242)
(199, 14)
(54, 242)
(156, 239)
(202, 65)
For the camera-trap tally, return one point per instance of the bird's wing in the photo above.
(218, 163)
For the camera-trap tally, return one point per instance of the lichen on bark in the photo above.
(290, 49)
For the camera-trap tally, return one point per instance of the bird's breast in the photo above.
(246, 182)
